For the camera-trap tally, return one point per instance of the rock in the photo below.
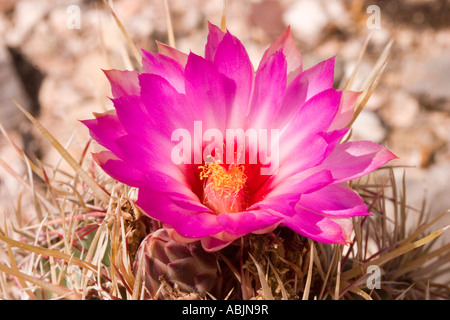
(428, 80)
(89, 79)
(432, 185)
(58, 96)
(309, 18)
(10, 88)
(268, 15)
(400, 111)
(10, 187)
(439, 122)
(378, 100)
(6, 5)
(27, 14)
(415, 146)
(186, 19)
(138, 16)
(425, 186)
(368, 126)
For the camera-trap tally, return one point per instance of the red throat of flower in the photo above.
(224, 188)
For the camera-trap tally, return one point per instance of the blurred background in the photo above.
(52, 53)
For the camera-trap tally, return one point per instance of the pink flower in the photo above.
(218, 201)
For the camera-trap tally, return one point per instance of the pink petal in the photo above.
(211, 244)
(119, 169)
(150, 154)
(293, 100)
(317, 227)
(215, 36)
(167, 109)
(270, 85)
(333, 138)
(132, 114)
(232, 60)
(148, 144)
(335, 200)
(165, 67)
(249, 221)
(283, 197)
(320, 77)
(286, 44)
(302, 88)
(209, 93)
(304, 143)
(123, 82)
(347, 228)
(175, 236)
(105, 130)
(314, 117)
(346, 110)
(184, 214)
(164, 182)
(172, 53)
(308, 152)
(352, 160)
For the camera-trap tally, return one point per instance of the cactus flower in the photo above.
(218, 150)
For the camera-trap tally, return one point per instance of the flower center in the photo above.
(224, 188)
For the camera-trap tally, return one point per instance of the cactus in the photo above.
(174, 269)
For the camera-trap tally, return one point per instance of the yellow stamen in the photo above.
(223, 187)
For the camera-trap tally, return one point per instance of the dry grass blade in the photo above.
(362, 100)
(338, 276)
(372, 82)
(14, 264)
(57, 289)
(37, 206)
(310, 271)
(22, 154)
(48, 252)
(230, 265)
(427, 292)
(139, 281)
(403, 294)
(379, 65)
(60, 158)
(331, 266)
(280, 282)
(360, 292)
(267, 292)
(134, 50)
(425, 227)
(415, 264)
(99, 192)
(223, 21)
(358, 62)
(4, 292)
(170, 32)
(95, 247)
(26, 184)
(434, 268)
(391, 255)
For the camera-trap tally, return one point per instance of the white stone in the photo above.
(10, 88)
(368, 126)
(27, 14)
(308, 18)
(401, 111)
